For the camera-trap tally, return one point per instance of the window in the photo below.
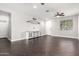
(66, 24)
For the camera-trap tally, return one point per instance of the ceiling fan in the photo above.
(34, 21)
(58, 14)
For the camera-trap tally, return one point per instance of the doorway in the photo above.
(5, 25)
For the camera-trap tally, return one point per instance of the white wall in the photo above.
(55, 28)
(20, 26)
(48, 26)
(42, 28)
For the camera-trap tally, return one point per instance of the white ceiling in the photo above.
(67, 8)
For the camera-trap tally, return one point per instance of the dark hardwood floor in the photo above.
(5, 47)
(42, 46)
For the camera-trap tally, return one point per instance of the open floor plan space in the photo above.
(41, 46)
(39, 29)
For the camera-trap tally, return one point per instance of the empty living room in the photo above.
(39, 29)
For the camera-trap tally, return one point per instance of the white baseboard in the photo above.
(17, 39)
(65, 36)
(42, 35)
(12, 40)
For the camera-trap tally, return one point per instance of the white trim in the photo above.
(65, 36)
(12, 40)
(17, 39)
(41, 35)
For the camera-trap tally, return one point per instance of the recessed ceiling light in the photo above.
(34, 6)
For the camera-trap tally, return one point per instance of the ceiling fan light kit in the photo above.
(59, 14)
